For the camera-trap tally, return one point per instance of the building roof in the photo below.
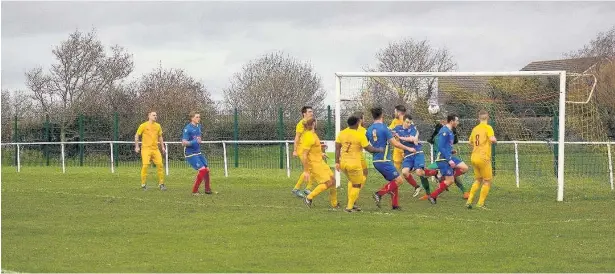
(577, 65)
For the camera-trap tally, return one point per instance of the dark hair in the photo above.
(376, 112)
(358, 114)
(451, 117)
(352, 121)
(407, 117)
(401, 108)
(305, 109)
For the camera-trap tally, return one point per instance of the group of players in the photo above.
(408, 157)
(378, 139)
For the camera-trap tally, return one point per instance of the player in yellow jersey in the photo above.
(349, 146)
(362, 131)
(398, 154)
(481, 139)
(314, 168)
(151, 133)
(307, 112)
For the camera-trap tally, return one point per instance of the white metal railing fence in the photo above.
(287, 144)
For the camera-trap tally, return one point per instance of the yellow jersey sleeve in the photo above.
(141, 129)
(159, 130)
(393, 124)
(363, 140)
(300, 128)
(473, 136)
(490, 132)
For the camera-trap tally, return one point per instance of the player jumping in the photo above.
(306, 112)
(408, 134)
(380, 136)
(191, 140)
(481, 139)
(398, 119)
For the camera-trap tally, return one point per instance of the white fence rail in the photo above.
(286, 144)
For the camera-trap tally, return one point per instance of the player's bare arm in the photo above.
(372, 149)
(338, 149)
(306, 165)
(297, 136)
(397, 144)
(137, 149)
(162, 147)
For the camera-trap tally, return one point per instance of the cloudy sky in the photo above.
(212, 40)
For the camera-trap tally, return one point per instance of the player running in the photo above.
(349, 146)
(481, 139)
(408, 134)
(306, 112)
(448, 164)
(191, 140)
(314, 168)
(380, 136)
(152, 137)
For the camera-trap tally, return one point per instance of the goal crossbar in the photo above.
(561, 112)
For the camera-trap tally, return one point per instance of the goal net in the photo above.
(529, 111)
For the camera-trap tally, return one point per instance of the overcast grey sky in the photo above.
(212, 40)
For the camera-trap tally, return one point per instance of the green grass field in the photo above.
(89, 220)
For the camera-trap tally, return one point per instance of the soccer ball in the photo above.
(433, 109)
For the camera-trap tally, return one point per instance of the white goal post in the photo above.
(561, 109)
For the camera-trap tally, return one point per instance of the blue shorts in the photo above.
(446, 169)
(197, 161)
(387, 169)
(416, 161)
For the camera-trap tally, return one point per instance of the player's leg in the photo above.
(460, 169)
(430, 171)
(355, 174)
(398, 158)
(447, 172)
(157, 158)
(364, 165)
(322, 174)
(296, 190)
(145, 161)
(196, 163)
(478, 180)
(487, 174)
(206, 177)
(388, 171)
(406, 167)
(418, 166)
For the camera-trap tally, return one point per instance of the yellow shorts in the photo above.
(321, 172)
(398, 155)
(148, 155)
(482, 168)
(354, 172)
(363, 162)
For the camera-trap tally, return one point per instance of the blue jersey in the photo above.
(446, 137)
(190, 133)
(408, 132)
(378, 136)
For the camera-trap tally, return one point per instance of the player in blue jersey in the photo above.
(408, 134)
(380, 136)
(191, 140)
(448, 164)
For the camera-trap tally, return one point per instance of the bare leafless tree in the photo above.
(409, 55)
(272, 81)
(601, 46)
(172, 93)
(16, 105)
(83, 74)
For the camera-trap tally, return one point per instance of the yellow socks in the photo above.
(484, 191)
(353, 195)
(473, 190)
(143, 175)
(299, 181)
(320, 188)
(160, 174)
(333, 196)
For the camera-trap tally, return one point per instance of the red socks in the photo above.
(390, 187)
(441, 188)
(431, 172)
(203, 174)
(458, 172)
(411, 181)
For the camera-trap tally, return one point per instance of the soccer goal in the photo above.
(528, 111)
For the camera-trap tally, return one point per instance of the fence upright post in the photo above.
(116, 137)
(47, 138)
(81, 139)
(492, 124)
(329, 131)
(281, 135)
(236, 137)
(16, 140)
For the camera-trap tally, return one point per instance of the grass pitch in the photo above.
(89, 220)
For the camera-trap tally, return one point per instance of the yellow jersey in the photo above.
(149, 133)
(352, 142)
(397, 153)
(362, 130)
(311, 142)
(480, 139)
(300, 129)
